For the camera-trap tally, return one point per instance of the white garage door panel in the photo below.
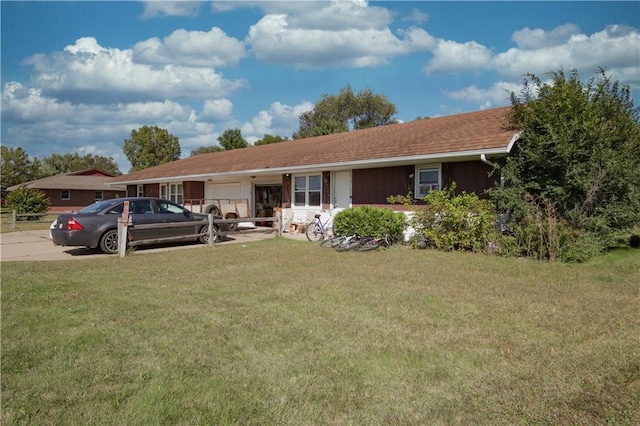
(226, 190)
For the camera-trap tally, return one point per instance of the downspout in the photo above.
(483, 158)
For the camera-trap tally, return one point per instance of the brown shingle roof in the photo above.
(452, 136)
(70, 181)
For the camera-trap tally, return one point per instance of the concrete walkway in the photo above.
(37, 245)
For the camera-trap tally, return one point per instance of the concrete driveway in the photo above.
(37, 246)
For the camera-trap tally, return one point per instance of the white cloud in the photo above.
(538, 52)
(495, 96)
(450, 57)
(538, 38)
(87, 70)
(217, 110)
(416, 16)
(47, 125)
(340, 15)
(279, 120)
(615, 47)
(274, 40)
(191, 48)
(156, 8)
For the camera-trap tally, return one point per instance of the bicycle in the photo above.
(349, 243)
(374, 243)
(319, 230)
(332, 242)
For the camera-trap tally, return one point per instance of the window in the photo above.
(167, 208)
(98, 195)
(307, 190)
(140, 190)
(65, 194)
(141, 207)
(427, 179)
(172, 192)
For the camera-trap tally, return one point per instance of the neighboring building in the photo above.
(340, 170)
(75, 190)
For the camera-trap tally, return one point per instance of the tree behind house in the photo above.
(232, 139)
(56, 164)
(335, 114)
(151, 146)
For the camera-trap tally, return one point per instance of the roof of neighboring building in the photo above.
(455, 136)
(88, 179)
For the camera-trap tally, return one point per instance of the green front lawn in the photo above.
(285, 332)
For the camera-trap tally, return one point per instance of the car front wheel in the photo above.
(109, 242)
(205, 230)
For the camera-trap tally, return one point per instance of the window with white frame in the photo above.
(65, 194)
(140, 190)
(99, 195)
(428, 178)
(307, 190)
(175, 193)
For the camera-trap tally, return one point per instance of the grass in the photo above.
(284, 332)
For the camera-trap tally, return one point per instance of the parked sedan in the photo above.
(97, 225)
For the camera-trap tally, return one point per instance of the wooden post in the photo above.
(122, 238)
(123, 230)
(210, 230)
(13, 219)
(279, 223)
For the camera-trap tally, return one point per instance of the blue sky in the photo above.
(79, 76)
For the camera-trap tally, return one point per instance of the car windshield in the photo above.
(99, 206)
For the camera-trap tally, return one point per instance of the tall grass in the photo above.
(284, 332)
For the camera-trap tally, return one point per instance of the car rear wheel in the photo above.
(205, 238)
(232, 226)
(109, 242)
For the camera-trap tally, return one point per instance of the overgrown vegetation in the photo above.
(398, 336)
(451, 222)
(27, 200)
(572, 181)
(371, 222)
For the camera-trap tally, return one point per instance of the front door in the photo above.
(342, 189)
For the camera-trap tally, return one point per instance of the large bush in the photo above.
(371, 222)
(461, 222)
(27, 200)
(577, 161)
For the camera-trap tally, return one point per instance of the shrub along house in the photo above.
(340, 170)
(75, 190)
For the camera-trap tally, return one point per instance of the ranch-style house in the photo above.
(75, 190)
(337, 171)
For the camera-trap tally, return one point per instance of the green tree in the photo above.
(28, 200)
(16, 168)
(232, 139)
(151, 146)
(269, 139)
(578, 157)
(57, 164)
(335, 114)
(205, 150)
